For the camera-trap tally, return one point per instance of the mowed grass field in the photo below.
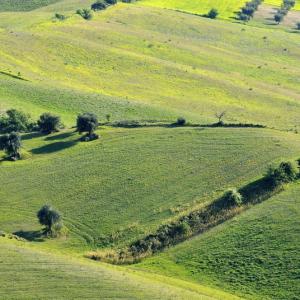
(226, 9)
(255, 254)
(27, 273)
(150, 63)
(23, 5)
(114, 190)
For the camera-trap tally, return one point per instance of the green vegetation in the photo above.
(255, 254)
(11, 144)
(23, 5)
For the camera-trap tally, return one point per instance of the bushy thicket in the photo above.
(85, 13)
(283, 10)
(49, 123)
(102, 4)
(248, 10)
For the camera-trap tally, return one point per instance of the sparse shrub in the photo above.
(181, 121)
(220, 117)
(87, 122)
(213, 13)
(85, 13)
(15, 121)
(51, 219)
(49, 123)
(284, 173)
(11, 144)
(108, 116)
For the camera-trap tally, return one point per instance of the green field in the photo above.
(256, 253)
(142, 62)
(153, 65)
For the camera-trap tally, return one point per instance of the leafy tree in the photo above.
(49, 123)
(181, 121)
(278, 18)
(11, 144)
(298, 25)
(111, 2)
(60, 17)
(50, 218)
(15, 120)
(213, 13)
(87, 122)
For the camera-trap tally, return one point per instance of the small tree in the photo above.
(108, 116)
(213, 13)
(50, 218)
(232, 198)
(88, 122)
(220, 116)
(49, 123)
(111, 2)
(278, 18)
(11, 144)
(298, 26)
(85, 13)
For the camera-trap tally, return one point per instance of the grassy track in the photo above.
(169, 63)
(111, 191)
(255, 254)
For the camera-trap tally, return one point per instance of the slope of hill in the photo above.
(27, 273)
(23, 5)
(255, 254)
(169, 63)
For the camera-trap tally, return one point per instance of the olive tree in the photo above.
(49, 123)
(11, 144)
(50, 218)
(87, 122)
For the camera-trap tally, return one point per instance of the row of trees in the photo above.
(14, 122)
(247, 12)
(283, 10)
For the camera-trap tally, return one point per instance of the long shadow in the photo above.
(32, 236)
(60, 136)
(54, 147)
(31, 135)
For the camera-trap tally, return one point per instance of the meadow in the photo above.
(141, 62)
(255, 254)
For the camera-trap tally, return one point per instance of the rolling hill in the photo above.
(141, 62)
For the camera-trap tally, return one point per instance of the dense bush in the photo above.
(85, 13)
(98, 5)
(60, 17)
(231, 198)
(212, 14)
(11, 144)
(284, 173)
(49, 123)
(15, 120)
(51, 219)
(181, 121)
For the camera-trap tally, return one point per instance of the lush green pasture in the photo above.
(170, 63)
(23, 5)
(226, 9)
(130, 181)
(255, 254)
(27, 273)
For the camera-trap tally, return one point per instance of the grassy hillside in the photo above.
(27, 273)
(225, 8)
(120, 187)
(165, 62)
(255, 254)
(23, 5)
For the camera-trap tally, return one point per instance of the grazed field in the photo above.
(154, 65)
(255, 253)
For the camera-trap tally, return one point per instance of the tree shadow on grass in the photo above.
(32, 236)
(31, 135)
(54, 147)
(60, 136)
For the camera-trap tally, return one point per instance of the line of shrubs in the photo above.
(283, 10)
(231, 203)
(14, 122)
(248, 10)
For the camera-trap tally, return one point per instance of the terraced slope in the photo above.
(27, 273)
(162, 64)
(256, 254)
(126, 184)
